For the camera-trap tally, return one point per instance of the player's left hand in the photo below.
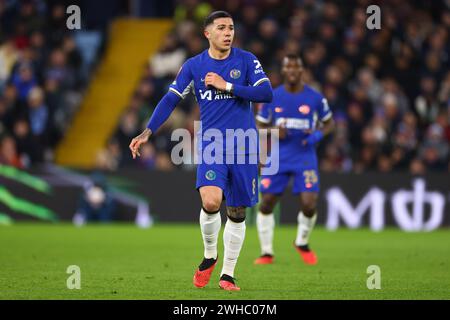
(313, 138)
(138, 141)
(213, 79)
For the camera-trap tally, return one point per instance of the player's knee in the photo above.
(266, 207)
(211, 204)
(268, 203)
(309, 208)
(236, 214)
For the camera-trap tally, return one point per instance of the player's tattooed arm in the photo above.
(138, 141)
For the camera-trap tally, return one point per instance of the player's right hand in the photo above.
(137, 141)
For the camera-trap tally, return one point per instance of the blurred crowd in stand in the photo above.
(44, 68)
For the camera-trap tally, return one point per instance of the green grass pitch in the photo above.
(124, 262)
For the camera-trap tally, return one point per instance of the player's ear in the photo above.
(206, 33)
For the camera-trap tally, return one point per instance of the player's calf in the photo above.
(233, 238)
(306, 220)
(265, 223)
(210, 223)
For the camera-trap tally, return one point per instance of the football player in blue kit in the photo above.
(225, 80)
(303, 117)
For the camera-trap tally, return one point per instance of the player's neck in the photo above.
(218, 54)
(298, 87)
